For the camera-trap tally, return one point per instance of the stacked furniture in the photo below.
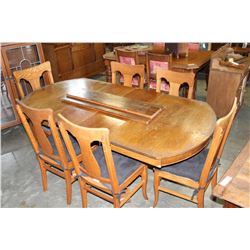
(226, 80)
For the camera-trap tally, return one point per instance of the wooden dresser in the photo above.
(74, 60)
(225, 83)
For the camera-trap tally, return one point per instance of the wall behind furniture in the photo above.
(74, 60)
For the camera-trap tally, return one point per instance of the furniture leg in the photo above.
(156, 185)
(83, 190)
(144, 177)
(200, 198)
(214, 179)
(116, 202)
(68, 186)
(44, 174)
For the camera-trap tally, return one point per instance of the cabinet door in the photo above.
(18, 57)
(9, 116)
(15, 57)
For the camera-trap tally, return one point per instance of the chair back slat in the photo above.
(127, 57)
(32, 75)
(128, 72)
(175, 79)
(33, 121)
(85, 137)
(155, 61)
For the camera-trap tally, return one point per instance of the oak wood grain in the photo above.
(108, 111)
(237, 190)
(119, 103)
(179, 131)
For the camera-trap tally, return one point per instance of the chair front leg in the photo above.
(144, 177)
(116, 201)
(83, 190)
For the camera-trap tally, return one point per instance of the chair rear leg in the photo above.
(213, 184)
(44, 174)
(156, 185)
(83, 191)
(144, 177)
(68, 186)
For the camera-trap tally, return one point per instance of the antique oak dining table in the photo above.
(155, 128)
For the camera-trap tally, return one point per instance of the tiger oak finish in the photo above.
(156, 58)
(116, 106)
(175, 79)
(236, 192)
(195, 60)
(128, 71)
(221, 132)
(32, 75)
(179, 131)
(90, 176)
(119, 53)
(50, 159)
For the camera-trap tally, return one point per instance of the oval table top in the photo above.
(180, 129)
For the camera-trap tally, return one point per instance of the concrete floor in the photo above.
(21, 179)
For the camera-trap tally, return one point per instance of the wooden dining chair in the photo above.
(127, 57)
(198, 171)
(32, 76)
(154, 62)
(48, 145)
(102, 172)
(176, 80)
(128, 72)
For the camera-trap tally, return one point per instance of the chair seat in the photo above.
(74, 143)
(190, 168)
(124, 166)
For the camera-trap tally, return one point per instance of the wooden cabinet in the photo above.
(15, 56)
(226, 83)
(74, 60)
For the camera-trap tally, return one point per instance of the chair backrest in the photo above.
(175, 79)
(90, 168)
(128, 71)
(193, 46)
(155, 61)
(222, 129)
(32, 75)
(127, 57)
(33, 121)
